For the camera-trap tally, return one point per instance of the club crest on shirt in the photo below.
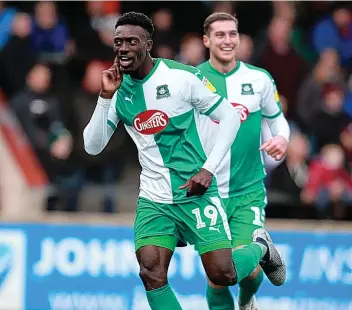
(162, 91)
(247, 89)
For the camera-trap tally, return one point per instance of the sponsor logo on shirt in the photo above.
(242, 111)
(150, 122)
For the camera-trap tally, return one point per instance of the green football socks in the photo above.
(246, 259)
(248, 288)
(163, 298)
(220, 298)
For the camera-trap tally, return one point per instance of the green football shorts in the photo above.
(245, 214)
(201, 221)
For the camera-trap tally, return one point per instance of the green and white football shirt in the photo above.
(253, 93)
(159, 114)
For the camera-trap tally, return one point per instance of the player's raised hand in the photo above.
(199, 183)
(276, 147)
(111, 80)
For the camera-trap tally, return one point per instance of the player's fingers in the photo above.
(279, 157)
(275, 153)
(185, 185)
(266, 144)
(271, 149)
(191, 189)
(202, 182)
(108, 74)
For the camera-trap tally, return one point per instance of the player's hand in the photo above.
(276, 147)
(199, 183)
(62, 147)
(111, 80)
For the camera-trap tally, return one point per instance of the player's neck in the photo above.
(144, 69)
(221, 66)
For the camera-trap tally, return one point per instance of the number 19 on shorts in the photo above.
(210, 212)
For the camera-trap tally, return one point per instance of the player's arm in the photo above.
(104, 120)
(269, 162)
(211, 103)
(275, 147)
(207, 101)
(101, 126)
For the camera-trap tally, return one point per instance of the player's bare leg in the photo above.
(154, 263)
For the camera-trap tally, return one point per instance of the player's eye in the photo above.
(118, 42)
(134, 41)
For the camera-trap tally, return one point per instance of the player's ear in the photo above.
(149, 45)
(206, 41)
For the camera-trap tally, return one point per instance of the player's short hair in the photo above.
(136, 19)
(217, 16)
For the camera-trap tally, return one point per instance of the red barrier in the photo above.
(20, 147)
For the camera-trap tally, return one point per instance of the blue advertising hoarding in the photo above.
(64, 267)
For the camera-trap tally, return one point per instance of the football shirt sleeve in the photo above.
(271, 109)
(101, 126)
(270, 101)
(203, 95)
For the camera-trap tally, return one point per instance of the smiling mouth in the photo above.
(125, 61)
(227, 49)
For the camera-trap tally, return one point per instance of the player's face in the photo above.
(131, 46)
(222, 40)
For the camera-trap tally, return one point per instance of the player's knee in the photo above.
(222, 275)
(153, 277)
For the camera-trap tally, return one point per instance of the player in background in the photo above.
(240, 175)
(157, 100)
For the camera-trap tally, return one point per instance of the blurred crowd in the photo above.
(52, 55)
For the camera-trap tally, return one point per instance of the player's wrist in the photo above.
(106, 94)
(104, 102)
(283, 136)
(208, 169)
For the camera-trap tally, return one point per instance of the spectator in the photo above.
(327, 70)
(346, 142)
(192, 50)
(284, 105)
(108, 164)
(224, 6)
(329, 122)
(50, 36)
(328, 182)
(299, 39)
(39, 114)
(335, 32)
(102, 20)
(6, 17)
(288, 179)
(286, 67)
(166, 41)
(245, 49)
(90, 40)
(17, 58)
